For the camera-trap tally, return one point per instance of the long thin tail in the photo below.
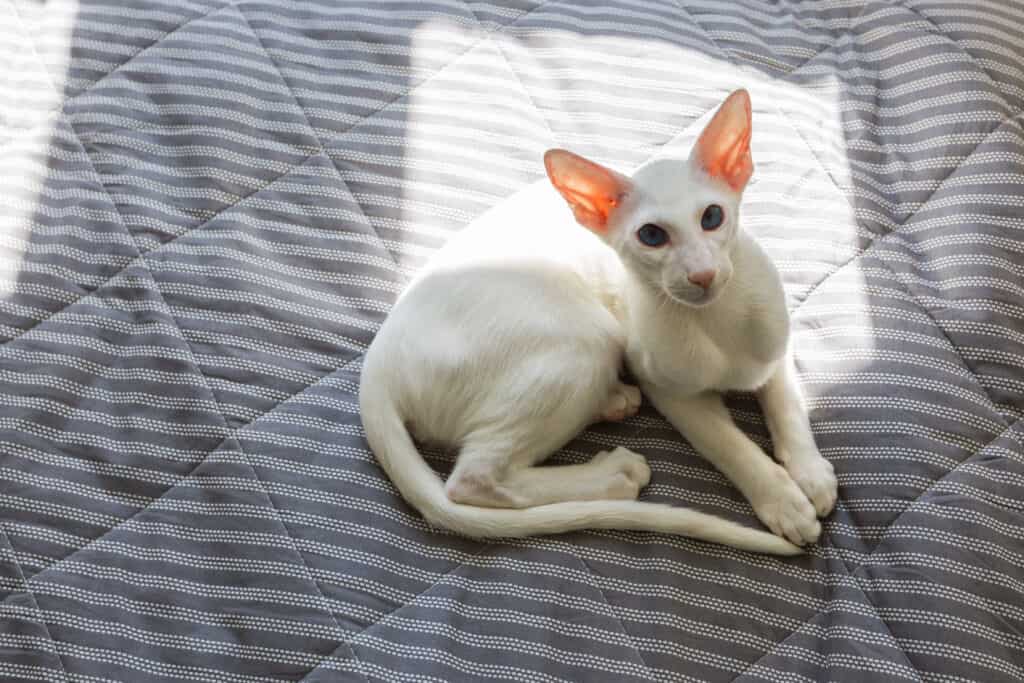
(424, 490)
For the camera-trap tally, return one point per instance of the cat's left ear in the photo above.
(723, 149)
(591, 190)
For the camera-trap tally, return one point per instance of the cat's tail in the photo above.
(424, 490)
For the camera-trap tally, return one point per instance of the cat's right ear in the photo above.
(723, 149)
(591, 190)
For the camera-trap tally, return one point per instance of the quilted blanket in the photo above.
(208, 206)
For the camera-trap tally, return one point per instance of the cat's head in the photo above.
(675, 221)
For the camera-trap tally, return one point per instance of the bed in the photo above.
(208, 207)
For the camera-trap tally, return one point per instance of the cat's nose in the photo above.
(702, 279)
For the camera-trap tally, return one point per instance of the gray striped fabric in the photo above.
(207, 208)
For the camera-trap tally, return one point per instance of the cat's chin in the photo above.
(699, 301)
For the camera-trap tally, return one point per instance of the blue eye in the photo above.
(712, 217)
(652, 235)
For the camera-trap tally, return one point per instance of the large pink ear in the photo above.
(591, 190)
(723, 149)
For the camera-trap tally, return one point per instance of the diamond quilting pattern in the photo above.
(81, 41)
(793, 207)
(190, 127)
(604, 93)
(872, 361)
(29, 652)
(279, 290)
(214, 534)
(860, 644)
(959, 256)
(494, 16)
(716, 595)
(986, 30)
(369, 551)
(909, 111)
(557, 626)
(956, 553)
(776, 37)
(60, 235)
(102, 411)
(345, 61)
(185, 484)
(428, 163)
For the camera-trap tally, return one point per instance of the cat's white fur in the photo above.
(511, 342)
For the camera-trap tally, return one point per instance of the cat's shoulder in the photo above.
(763, 315)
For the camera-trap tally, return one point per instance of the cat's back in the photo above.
(511, 309)
(533, 231)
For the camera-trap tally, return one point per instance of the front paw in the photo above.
(784, 509)
(817, 479)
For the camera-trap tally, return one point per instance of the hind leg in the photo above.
(618, 474)
(537, 407)
(623, 401)
(497, 466)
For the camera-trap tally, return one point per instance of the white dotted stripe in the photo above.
(122, 422)
(144, 448)
(152, 580)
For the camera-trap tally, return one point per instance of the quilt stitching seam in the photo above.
(241, 429)
(871, 603)
(485, 36)
(859, 564)
(937, 30)
(148, 506)
(781, 68)
(869, 251)
(876, 238)
(888, 629)
(234, 433)
(725, 52)
(460, 564)
(945, 335)
(28, 590)
(341, 133)
(939, 185)
(140, 260)
(284, 81)
(295, 549)
(792, 633)
(259, 480)
(522, 87)
(354, 658)
(320, 141)
(590, 570)
(158, 41)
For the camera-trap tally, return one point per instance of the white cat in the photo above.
(511, 342)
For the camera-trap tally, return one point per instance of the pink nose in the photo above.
(702, 279)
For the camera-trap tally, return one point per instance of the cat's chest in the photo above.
(690, 359)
